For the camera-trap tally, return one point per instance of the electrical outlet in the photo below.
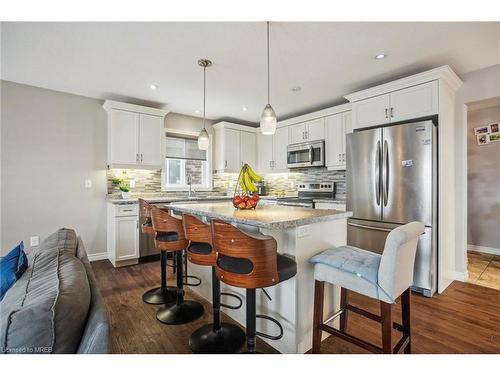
(132, 183)
(88, 184)
(303, 231)
(34, 241)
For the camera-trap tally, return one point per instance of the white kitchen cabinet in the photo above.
(150, 140)
(123, 136)
(280, 142)
(248, 148)
(265, 151)
(337, 127)
(123, 234)
(134, 135)
(234, 145)
(313, 130)
(371, 111)
(399, 105)
(414, 102)
(297, 133)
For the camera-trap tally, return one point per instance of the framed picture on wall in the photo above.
(494, 127)
(482, 130)
(482, 139)
(494, 138)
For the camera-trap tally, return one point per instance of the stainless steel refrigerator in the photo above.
(391, 180)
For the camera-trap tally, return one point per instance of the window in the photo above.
(184, 161)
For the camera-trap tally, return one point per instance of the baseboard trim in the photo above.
(484, 249)
(460, 276)
(97, 256)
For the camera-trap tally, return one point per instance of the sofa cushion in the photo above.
(12, 266)
(63, 239)
(46, 309)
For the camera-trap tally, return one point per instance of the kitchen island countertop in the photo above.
(264, 216)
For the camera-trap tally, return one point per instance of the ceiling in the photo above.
(327, 60)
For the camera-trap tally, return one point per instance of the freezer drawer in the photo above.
(371, 236)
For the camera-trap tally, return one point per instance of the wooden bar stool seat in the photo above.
(250, 260)
(383, 277)
(169, 237)
(162, 294)
(217, 337)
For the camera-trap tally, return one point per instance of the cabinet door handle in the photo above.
(307, 135)
(392, 111)
(137, 158)
(141, 158)
(225, 163)
(386, 113)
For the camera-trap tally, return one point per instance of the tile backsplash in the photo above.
(149, 181)
(286, 181)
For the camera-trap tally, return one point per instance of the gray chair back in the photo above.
(395, 273)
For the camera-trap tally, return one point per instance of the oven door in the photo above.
(306, 155)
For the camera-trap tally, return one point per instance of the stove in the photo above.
(308, 192)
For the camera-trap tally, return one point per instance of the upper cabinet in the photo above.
(235, 145)
(400, 105)
(337, 126)
(272, 153)
(134, 135)
(313, 130)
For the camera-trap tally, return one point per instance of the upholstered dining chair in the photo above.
(383, 277)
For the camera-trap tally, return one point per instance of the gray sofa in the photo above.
(55, 306)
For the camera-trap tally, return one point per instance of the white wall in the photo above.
(51, 142)
(478, 85)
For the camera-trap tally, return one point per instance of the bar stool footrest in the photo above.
(265, 335)
(234, 296)
(192, 277)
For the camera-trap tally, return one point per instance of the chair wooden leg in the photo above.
(343, 306)
(386, 320)
(406, 318)
(319, 291)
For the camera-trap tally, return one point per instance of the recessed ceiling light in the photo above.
(296, 88)
(380, 56)
(153, 86)
(244, 109)
(197, 111)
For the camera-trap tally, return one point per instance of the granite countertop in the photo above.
(316, 200)
(167, 199)
(264, 216)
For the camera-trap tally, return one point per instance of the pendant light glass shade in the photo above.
(268, 121)
(203, 140)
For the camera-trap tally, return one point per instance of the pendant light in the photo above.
(203, 139)
(268, 119)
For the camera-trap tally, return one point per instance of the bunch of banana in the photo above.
(248, 178)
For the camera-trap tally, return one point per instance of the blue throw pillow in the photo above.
(12, 266)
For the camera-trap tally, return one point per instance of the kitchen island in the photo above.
(300, 233)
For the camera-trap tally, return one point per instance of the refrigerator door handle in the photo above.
(369, 227)
(377, 174)
(385, 173)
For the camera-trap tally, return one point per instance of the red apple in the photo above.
(237, 200)
(256, 197)
(245, 198)
(242, 205)
(250, 203)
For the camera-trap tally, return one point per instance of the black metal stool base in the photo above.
(160, 296)
(184, 312)
(228, 339)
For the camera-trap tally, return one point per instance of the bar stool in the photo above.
(216, 337)
(169, 237)
(250, 260)
(161, 295)
(383, 277)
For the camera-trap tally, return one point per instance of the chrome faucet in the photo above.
(189, 182)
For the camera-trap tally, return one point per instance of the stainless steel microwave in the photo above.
(308, 154)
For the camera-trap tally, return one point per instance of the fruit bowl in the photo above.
(245, 197)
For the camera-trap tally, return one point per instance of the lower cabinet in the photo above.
(330, 206)
(123, 234)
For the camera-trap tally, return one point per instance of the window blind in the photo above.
(179, 147)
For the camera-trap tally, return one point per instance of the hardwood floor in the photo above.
(464, 319)
(484, 269)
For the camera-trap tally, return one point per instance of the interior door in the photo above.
(150, 140)
(407, 173)
(363, 174)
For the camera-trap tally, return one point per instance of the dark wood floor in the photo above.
(464, 319)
